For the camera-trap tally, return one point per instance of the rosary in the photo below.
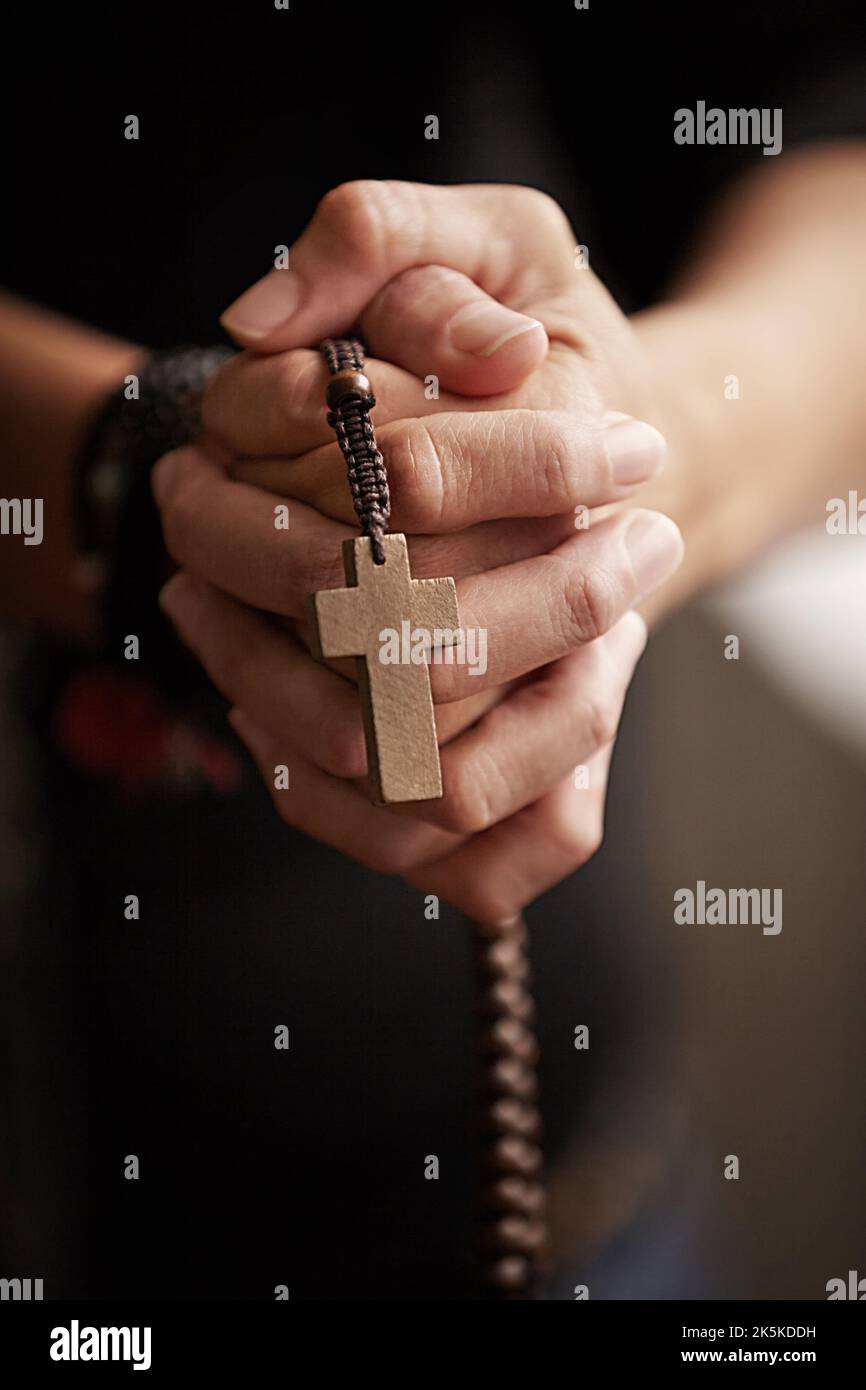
(403, 762)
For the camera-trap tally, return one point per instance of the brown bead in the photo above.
(506, 958)
(514, 1156)
(512, 1038)
(509, 996)
(510, 1274)
(515, 1235)
(347, 385)
(510, 1116)
(508, 1076)
(513, 1194)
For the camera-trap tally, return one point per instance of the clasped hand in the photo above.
(512, 399)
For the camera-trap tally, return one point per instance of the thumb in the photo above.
(437, 323)
(364, 234)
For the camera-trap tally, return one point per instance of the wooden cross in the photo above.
(397, 706)
(396, 702)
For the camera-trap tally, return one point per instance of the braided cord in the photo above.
(349, 417)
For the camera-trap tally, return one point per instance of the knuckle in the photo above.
(416, 473)
(466, 808)
(299, 384)
(577, 836)
(364, 216)
(323, 569)
(590, 721)
(555, 445)
(598, 721)
(588, 601)
(179, 518)
(544, 211)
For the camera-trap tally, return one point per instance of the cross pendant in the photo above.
(396, 702)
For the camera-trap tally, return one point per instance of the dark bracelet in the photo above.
(122, 557)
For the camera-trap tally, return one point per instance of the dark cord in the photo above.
(351, 400)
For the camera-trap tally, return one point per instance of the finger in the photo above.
(283, 690)
(277, 683)
(365, 233)
(335, 811)
(526, 615)
(276, 404)
(517, 617)
(242, 539)
(493, 876)
(449, 471)
(528, 743)
(437, 323)
(452, 719)
(227, 532)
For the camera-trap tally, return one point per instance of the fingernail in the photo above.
(635, 451)
(483, 327)
(265, 305)
(162, 477)
(655, 548)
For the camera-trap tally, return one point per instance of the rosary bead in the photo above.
(506, 996)
(510, 1274)
(347, 385)
(513, 1039)
(514, 1194)
(512, 1116)
(514, 1157)
(509, 1076)
(516, 1234)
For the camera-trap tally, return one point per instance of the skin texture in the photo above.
(486, 486)
(486, 479)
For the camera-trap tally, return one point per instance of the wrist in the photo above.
(122, 561)
(740, 468)
(687, 398)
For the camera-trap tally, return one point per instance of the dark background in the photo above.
(249, 114)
